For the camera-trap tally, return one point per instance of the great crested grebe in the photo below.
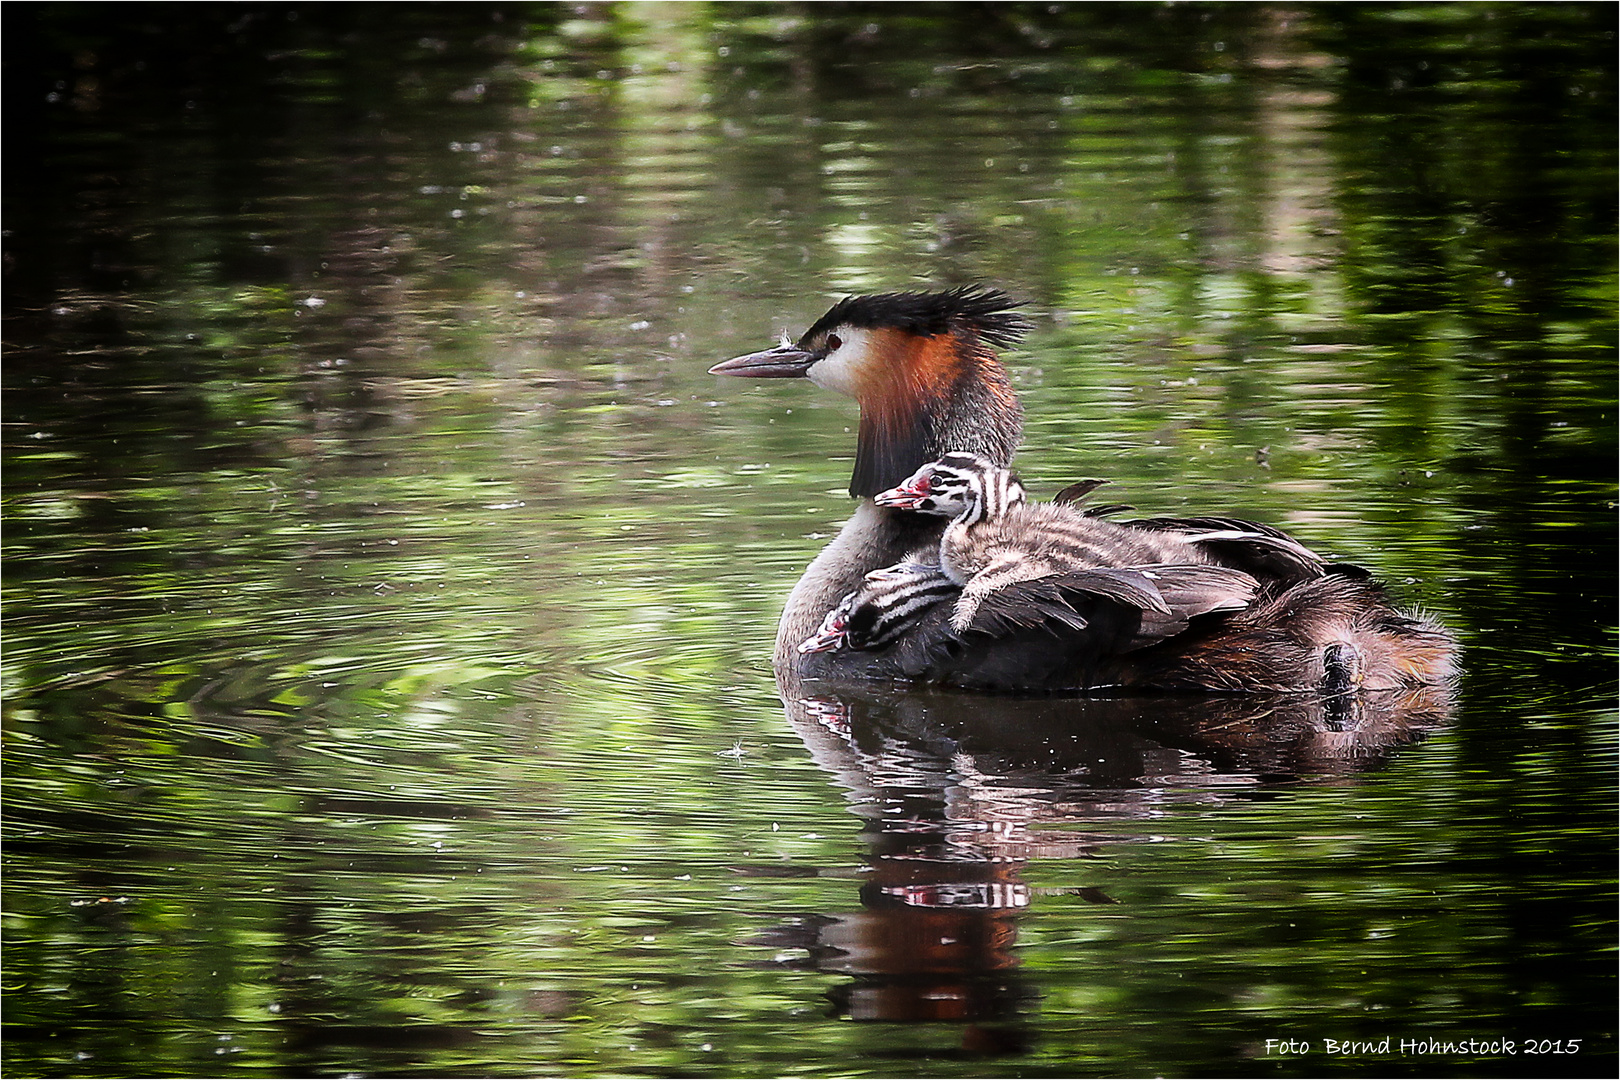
(923, 368)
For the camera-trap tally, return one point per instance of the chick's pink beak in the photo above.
(906, 496)
(829, 637)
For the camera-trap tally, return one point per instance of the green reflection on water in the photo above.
(389, 590)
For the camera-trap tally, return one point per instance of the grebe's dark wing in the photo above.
(1266, 553)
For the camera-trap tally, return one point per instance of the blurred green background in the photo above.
(389, 590)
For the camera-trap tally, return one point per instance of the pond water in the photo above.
(390, 591)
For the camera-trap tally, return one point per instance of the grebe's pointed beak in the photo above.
(786, 361)
(909, 495)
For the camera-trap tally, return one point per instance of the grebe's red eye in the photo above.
(834, 343)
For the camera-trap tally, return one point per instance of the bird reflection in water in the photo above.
(961, 791)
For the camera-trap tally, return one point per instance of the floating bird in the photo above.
(925, 371)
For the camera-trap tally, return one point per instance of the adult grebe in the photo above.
(923, 368)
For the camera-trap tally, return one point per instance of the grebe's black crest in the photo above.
(990, 313)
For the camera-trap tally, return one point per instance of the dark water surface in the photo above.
(389, 591)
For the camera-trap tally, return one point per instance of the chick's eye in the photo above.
(834, 343)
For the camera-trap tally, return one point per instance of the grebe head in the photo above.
(966, 487)
(886, 605)
(922, 366)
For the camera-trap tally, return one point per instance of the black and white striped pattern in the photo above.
(888, 602)
(961, 486)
